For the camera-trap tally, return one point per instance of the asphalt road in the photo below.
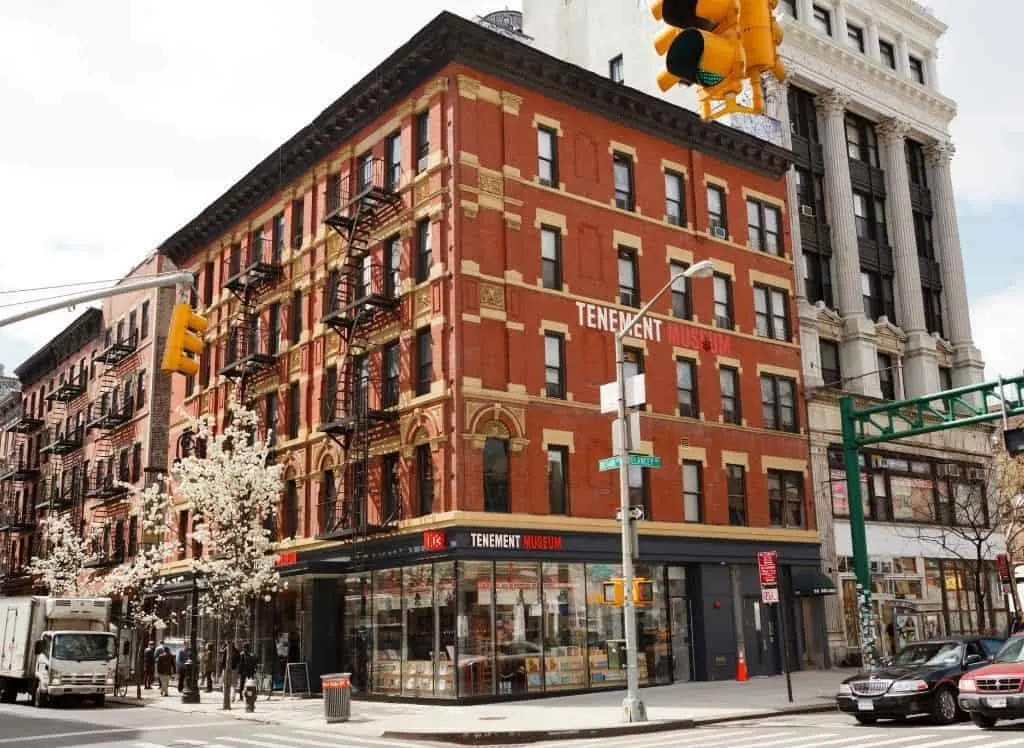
(818, 731)
(22, 726)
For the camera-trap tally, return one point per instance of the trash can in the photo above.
(337, 689)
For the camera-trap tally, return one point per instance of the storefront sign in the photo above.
(767, 568)
(434, 540)
(516, 541)
(286, 558)
(606, 319)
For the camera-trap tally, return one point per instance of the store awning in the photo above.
(812, 583)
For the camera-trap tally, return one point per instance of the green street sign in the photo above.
(613, 463)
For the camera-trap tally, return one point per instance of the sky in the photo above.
(120, 120)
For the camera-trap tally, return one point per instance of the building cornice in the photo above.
(918, 14)
(450, 39)
(66, 343)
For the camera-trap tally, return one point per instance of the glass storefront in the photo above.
(482, 628)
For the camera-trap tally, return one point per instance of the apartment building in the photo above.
(881, 292)
(12, 503)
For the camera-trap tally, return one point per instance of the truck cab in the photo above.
(75, 663)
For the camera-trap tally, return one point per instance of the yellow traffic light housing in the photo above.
(184, 338)
(761, 36)
(612, 593)
(643, 592)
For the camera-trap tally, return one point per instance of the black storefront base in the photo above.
(708, 593)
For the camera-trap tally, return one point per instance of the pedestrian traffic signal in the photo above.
(761, 36)
(701, 44)
(184, 338)
(643, 592)
(612, 591)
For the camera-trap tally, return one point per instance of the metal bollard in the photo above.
(337, 690)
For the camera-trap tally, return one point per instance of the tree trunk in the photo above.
(980, 595)
(226, 676)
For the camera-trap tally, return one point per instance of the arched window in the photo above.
(290, 510)
(328, 500)
(496, 475)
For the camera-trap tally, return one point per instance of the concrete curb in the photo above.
(537, 736)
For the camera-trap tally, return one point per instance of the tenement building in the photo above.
(15, 510)
(880, 285)
(418, 292)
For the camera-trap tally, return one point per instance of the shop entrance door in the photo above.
(759, 637)
(679, 613)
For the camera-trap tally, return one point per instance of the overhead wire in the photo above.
(64, 285)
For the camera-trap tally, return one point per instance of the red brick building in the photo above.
(418, 292)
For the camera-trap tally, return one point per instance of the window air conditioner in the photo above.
(807, 210)
(719, 232)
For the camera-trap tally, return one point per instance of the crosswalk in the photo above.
(263, 738)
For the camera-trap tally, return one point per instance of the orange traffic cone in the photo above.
(741, 667)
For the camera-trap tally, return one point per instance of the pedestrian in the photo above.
(246, 668)
(184, 654)
(164, 669)
(148, 663)
(207, 661)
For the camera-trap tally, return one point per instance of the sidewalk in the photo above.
(587, 715)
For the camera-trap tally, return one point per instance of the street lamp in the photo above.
(633, 709)
(190, 694)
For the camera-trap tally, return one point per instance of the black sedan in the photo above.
(921, 679)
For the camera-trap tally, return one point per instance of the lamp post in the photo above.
(633, 709)
(190, 694)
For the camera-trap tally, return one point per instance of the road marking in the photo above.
(109, 731)
(334, 738)
(1011, 741)
(652, 739)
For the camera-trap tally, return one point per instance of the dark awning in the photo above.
(812, 583)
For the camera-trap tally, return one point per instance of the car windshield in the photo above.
(1013, 651)
(934, 653)
(81, 647)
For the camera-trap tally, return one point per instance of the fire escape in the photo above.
(361, 299)
(250, 352)
(19, 477)
(111, 415)
(65, 430)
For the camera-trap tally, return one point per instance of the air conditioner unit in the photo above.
(948, 470)
(976, 473)
(719, 232)
(807, 210)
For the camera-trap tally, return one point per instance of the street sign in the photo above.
(636, 394)
(770, 595)
(636, 513)
(767, 568)
(613, 463)
(633, 424)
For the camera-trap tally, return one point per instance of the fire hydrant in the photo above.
(250, 694)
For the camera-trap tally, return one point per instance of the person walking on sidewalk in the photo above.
(164, 669)
(246, 668)
(207, 664)
(183, 656)
(148, 663)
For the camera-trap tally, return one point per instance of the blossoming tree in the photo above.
(61, 570)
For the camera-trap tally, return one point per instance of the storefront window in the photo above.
(358, 628)
(387, 618)
(475, 627)
(446, 617)
(418, 679)
(517, 622)
(652, 629)
(606, 638)
(565, 627)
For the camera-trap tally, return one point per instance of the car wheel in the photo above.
(865, 719)
(944, 710)
(983, 720)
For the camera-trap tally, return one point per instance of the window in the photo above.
(681, 292)
(496, 475)
(855, 37)
(558, 481)
(393, 161)
(933, 311)
(916, 168)
(270, 410)
(390, 370)
(424, 253)
(861, 140)
(881, 229)
(693, 499)
(424, 361)
(140, 390)
(422, 141)
(877, 293)
(424, 479)
(789, 7)
(296, 316)
(917, 69)
(686, 387)
(294, 408)
(736, 485)
(729, 384)
(547, 156)
(888, 54)
(297, 206)
(364, 171)
(551, 257)
(389, 477)
(822, 20)
(615, 71)
(208, 284)
(886, 377)
(277, 238)
(778, 403)
(817, 276)
(333, 198)
(945, 378)
(290, 510)
(771, 313)
(554, 365)
(718, 224)
(136, 462)
(329, 398)
(256, 248)
(622, 165)
(629, 290)
(763, 230)
(675, 213)
(923, 236)
(831, 372)
(633, 363)
(723, 302)
(144, 323)
(274, 329)
(392, 266)
(785, 498)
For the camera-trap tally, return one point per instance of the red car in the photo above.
(996, 691)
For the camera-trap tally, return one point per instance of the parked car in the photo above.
(995, 691)
(921, 679)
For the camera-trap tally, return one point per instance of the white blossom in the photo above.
(61, 570)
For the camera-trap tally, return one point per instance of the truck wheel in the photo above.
(983, 720)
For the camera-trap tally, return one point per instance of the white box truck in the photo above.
(51, 647)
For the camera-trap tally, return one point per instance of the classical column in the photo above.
(921, 374)
(968, 367)
(839, 32)
(931, 71)
(859, 354)
(804, 10)
(902, 56)
(874, 52)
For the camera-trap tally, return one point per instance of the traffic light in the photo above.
(183, 338)
(761, 36)
(643, 592)
(701, 44)
(613, 595)
(613, 592)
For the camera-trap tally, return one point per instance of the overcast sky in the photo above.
(120, 120)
